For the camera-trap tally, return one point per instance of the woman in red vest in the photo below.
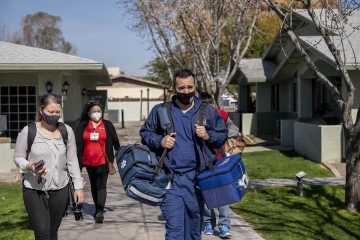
(96, 140)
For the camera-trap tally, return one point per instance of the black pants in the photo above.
(98, 177)
(45, 214)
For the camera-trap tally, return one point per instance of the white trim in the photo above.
(144, 196)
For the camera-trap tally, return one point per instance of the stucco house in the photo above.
(289, 97)
(130, 87)
(133, 96)
(26, 73)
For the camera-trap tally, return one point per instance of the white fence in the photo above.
(132, 110)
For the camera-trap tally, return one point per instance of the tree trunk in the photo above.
(352, 185)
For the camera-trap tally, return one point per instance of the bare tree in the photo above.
(5, 35)
(42, 30)
(210, 34)
(336, 31)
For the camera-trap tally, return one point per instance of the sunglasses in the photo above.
(93, 102)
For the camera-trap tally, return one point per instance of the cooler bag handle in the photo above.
(221, 151)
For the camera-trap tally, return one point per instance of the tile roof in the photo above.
(20, 54)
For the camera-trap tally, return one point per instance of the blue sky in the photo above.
(98, 28)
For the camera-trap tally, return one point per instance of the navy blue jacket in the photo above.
(152, 134)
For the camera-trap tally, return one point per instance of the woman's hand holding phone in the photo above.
(37, 168)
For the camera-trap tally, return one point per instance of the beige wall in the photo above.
(249, 123)
(131, 91)
(132, 109)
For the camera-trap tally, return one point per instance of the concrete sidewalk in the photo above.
(292, 182)
(127, 219)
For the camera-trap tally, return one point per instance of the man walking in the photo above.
(189, 146)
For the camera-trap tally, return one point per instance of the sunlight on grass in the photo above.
(281, 164)
(278, 214)
(14, 223)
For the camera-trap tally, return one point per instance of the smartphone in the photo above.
(39, 165)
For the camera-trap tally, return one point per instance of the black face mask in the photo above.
(185, 98)
(50, 119)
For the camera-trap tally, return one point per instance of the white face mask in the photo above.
(96, 116)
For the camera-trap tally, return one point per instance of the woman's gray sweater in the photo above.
(58, 160)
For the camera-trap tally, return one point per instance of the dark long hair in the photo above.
(85, 114)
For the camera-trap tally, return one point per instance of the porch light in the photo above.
(65, 88)
(49, 87)
(83, 92)
(299, 184)
(199, 78)
(88, 92)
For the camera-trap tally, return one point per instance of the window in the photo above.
(18, 103)
(275, 97)
(294, 97)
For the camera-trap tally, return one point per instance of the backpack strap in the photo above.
(202, 112)
(32, 134)
(63, 132)
(159, 165)
(31, 137)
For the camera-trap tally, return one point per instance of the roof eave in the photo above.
(353, 67)
(52, 66)
(107, 79)
(330, 61)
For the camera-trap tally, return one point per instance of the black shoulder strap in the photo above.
(168, 105)
(31, 137)
(160, 163)
(32, 134)
(202, 112)
(63, 132)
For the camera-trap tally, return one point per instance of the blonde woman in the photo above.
(46, 188)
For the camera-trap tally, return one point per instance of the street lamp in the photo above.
(299, 184)
(199, 78)
(83, 93)
(49, 87)
(65, 88)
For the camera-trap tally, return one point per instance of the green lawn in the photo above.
(14, 222)
(278, 214)
(285, 164)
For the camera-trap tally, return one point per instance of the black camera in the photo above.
(78, 212)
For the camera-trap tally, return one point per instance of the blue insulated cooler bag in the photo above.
(226, 184)
(136, 165)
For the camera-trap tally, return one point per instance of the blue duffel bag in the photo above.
(226, 183)
(141, 178)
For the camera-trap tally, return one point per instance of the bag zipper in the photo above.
(222, 173)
